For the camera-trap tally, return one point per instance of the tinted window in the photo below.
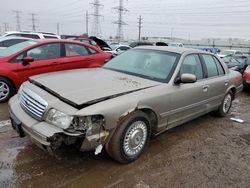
(123, 48)
(49, 37)
(75, 50)
(219, 66)
(30, 36)
(211, 65)
(192, 65)
(12, 42)
(148, 64)
(46, 51)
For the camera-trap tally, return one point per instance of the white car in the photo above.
(176, 44)
(119, 48)
(229, 52)
(6, 42)
(33, 35)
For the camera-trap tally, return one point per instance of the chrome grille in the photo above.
(32, 103)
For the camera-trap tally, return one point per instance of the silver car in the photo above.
(139, 94)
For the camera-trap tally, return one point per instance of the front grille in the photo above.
(33, 104)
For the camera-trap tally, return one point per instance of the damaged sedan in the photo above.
(119, 107)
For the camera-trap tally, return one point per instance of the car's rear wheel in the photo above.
(6, 89)
(130, 138)
(225, 105)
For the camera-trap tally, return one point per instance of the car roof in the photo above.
(179, 50)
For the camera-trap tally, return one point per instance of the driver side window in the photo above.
(192, 65)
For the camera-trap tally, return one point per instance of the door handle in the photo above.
(205, 88)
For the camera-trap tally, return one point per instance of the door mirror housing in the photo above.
(188, 78)
(27, 60)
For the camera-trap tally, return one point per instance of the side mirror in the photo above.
(188, 78)
(27, 60)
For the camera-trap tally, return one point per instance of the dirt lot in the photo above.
(207, 152)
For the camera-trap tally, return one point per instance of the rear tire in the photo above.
(225, 106)
(6, 89)
(130, 138)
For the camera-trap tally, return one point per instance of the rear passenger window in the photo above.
(33, 36)
(92, 51)
(192, 65)
(211, 65)
(75, 50)
(219, 66)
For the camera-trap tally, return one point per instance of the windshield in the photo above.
(150, 64)
(16, 48)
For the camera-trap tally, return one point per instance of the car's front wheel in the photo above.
(6, 89)
(130, 138)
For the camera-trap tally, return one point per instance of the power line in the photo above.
(18, 24)
(121, 10)
(33, 21)
(96, 29)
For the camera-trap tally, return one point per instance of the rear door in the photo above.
(217, 80)
(46, 57)
(80, 56)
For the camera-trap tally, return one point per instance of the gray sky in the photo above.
(197, 18)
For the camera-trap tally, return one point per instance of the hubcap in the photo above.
(135, 138)
(227, 103)
(4, 90)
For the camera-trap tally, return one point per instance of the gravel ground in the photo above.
(206, 152)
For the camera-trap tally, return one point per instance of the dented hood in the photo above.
(88, 86)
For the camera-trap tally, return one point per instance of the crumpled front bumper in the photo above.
(50, 137)
(41, 133)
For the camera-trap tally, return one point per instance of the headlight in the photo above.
(87, 123)
(59, 118)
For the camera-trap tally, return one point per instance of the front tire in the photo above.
(6, 89)
(130, 138)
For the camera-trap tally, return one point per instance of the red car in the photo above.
(246, 77)
(19, 62)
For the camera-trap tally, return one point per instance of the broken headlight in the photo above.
(59, 118)
(85, 123)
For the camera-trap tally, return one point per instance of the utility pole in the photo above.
(172, 30)
(87, 23)
(58, 28)
(18, 25)
(33, 21)
(96, 30)
(140, 26)
(121, 10)
(6, 26)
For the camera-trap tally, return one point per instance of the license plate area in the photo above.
(17, 126)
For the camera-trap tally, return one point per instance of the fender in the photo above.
(12, 77)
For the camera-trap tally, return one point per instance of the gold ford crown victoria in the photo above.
(137, 95)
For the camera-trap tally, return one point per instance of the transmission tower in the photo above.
(96, 29)
(33, 21)
(121, 10)
(18, 24)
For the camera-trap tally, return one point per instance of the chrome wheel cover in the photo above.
(227, 103)
(135, 138)
(4, 90)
